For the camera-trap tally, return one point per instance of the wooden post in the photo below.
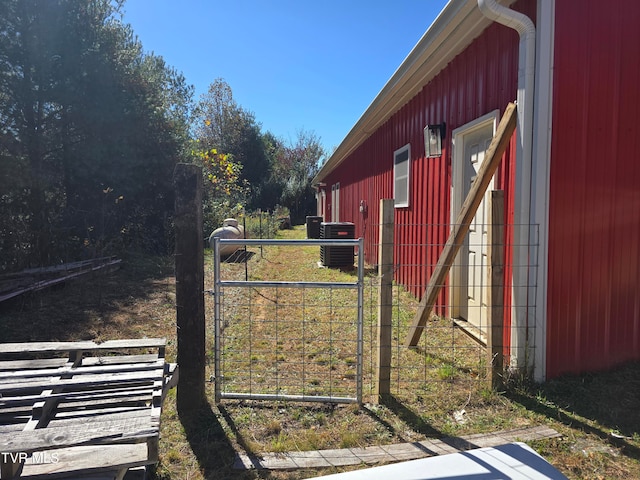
(495, 277)
(385, 299)
(11, 469)
(490, 164)
(189, 258)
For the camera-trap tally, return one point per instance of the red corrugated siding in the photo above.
(593, 309)
(481, 79)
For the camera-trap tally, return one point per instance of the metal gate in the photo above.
(288, 340)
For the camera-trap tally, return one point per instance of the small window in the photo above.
(401, 175)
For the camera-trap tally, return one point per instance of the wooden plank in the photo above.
(105, 404)
(493, 155)
(86, 381)
(156, 401)
(42, 409)
(92, 413)
(389, 453)
(117, 431)
(10, 469)
(10, 365)
(16, 384)
(15, 414)
(111, 415)
(473, 332)
(118, 394)
(86, 460)
(42, 284)
(45, 347)
(80, 417)
(153, 449)
(156, 410)
(172, 377)
(119, 359)
(82, 370)
(62, 268)
(133, 343)
(495, 277)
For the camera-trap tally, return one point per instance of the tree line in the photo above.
(92, 126)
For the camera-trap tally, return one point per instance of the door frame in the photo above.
(456, 287)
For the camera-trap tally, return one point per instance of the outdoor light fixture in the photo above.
(433, 137)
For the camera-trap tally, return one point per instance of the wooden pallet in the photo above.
(70, 409)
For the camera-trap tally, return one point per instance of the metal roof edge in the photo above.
(453, 29)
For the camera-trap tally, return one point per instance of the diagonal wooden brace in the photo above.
(492, 159)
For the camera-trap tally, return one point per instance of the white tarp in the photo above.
(514, 461)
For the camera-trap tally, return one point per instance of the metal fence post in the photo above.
(217, 291)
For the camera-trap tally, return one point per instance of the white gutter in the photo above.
(522, 344)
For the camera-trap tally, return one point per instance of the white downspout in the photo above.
(521, 337)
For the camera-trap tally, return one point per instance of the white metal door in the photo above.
(475, 250)
(335, 202)
(321, 203)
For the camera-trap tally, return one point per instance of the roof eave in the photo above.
(454, 28)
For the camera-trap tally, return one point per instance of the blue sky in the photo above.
(296, 64)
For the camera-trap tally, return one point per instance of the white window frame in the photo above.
(402, 203)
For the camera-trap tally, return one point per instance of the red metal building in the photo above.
(571, 175)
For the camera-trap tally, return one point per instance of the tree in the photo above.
(90, 129)
(295, 167)
(224, 192)
(270, 191)
(276, 173)
(29, 116)
(222, 124)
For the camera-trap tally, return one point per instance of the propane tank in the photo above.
(229, 230)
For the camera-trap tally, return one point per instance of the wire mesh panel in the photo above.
(279, 337)
(288, 340)
(449, 366)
